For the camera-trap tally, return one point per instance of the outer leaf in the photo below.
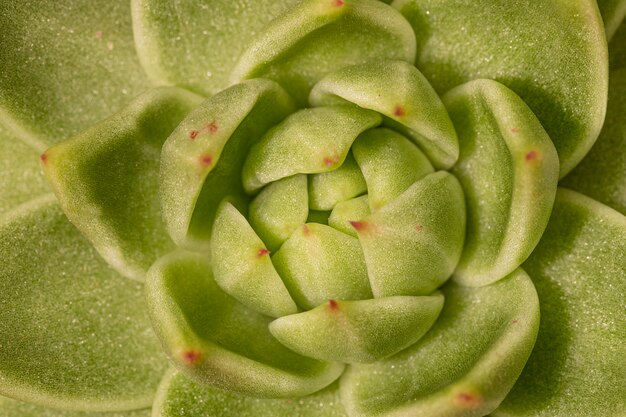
(464, 366)
(195, 43)
(509, 170)
(106, 179)
(402, 94)
(73, 333)
(242, 265)
(12, 408)
(613, 12)
(64, 66)
(577, 367)
(602, 174)
(21, 178)
(180, 396)
(319, 263)
(309, 141)
(551, 53)
(288, 50)
(217, 341)
(358, 331)
(413, 244)
(279, 209)
(202, 159)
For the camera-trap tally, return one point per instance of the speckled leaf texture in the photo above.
(326, 208)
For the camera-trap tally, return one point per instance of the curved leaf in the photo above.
(22, 177)
(202, 159)
(215, 340)
(178, 396)
(64, 66)
(358, 331)
(602, 174)
(551, 53)
(310, 141)
(347, 212)
(349, 31)
(328, 189)
(413, 244)
(397, 90)
(73, 333)
(577, 367)
(464, 366)
(195, 44)
(509, 170)
(106, 179)
(242, 265)
(12, 408)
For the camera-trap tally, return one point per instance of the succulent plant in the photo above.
(318, 208)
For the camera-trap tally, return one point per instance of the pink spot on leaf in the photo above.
(467, 400)
(514, 130)
(206, 160)
(193, 134)
(212, 127)
(399, 111)
(419, 227)
(332, 304)
(190, 357)
(262, 252)
(358, 226)
(99, 34)
(532, 155)
(305, 230)
(338, 3)
(43, 157)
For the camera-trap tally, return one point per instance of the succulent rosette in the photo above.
(317, 208)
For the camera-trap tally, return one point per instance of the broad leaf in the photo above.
(577, 367)
(551, 53)
(73, 333)
(12, 408)
(463, 367)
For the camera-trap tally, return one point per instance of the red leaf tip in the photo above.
(262, 252)
(467, 400)
(190, 357)
(332, 304)
(358, 225)
(338, 3)
(206, 160)
(399, 111)
(43, 157)
(532, 155)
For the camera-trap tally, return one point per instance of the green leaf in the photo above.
(317, 37)
(12, 408)
(73, 333)
(22, 178)
(617, 48)
(613, 12)
(464, 366)
(279, 209)
(577, 367)
(397, 90)
(318, 263)
(328, 189)
(551, 53)
(65, 66)
(310, 141)
(217, 341)
(390, 164)
(602, 174)
(509, 170)
(106, 179)
(347, 212)
(202, 159)
(413, 244)
(195, 44)
(179, 396)
(242, 265)
(358, 331)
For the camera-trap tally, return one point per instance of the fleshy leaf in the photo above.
(317, 37)
(74, 334)
(106, 179)
(242, 266)
(509, 170)
(613, 12)
(318, 263)
(65, 66)
(349, 211)
(464, 366)
(21, 178)
(200, 46)
(202, 159)
(179, 396)
(358, 331)
(602, 174)
(309, 141)
(13, 408)
(215, 340)
(577, 367)
(390, 164)
(279, 209)
(551, 53)
(397, 90)
(328, 189)
(413, 244)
